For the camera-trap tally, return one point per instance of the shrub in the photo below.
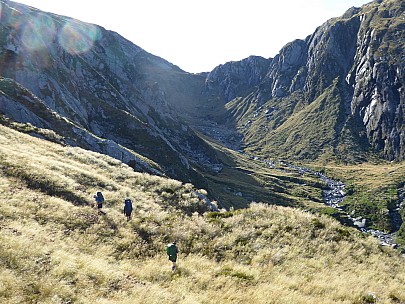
(217, 215)
(317, 224)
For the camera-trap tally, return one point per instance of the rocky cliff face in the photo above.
(235, 79)
(23, 106)
(378, 77)
(362, 52)
(100, 82)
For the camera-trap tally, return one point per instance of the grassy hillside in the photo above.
(372, 190)
(294, 129)
(55, 248)
(245, 178)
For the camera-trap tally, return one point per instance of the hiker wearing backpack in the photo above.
(172, 251)
(128, 208)
(99, 198)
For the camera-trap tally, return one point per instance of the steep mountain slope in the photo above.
(353, 65)
(59, 129)
(55, 248)
(98, 80)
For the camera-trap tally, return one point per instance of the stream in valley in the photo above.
(335, 194)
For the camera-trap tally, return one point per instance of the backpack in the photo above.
(100, 197)
(171, 249)
(128, 205)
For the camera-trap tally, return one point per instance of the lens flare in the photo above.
(9, 16)
(78, 38)
(39, 32)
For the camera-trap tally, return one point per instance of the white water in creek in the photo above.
(335, 195)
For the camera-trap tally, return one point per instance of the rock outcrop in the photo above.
(363, 53)
(100, 82)
(378, 78)
(236, 79)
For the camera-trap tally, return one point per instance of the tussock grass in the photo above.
(53, 250)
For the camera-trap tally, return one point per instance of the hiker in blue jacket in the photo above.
(128, 208)
(99, 201)
(172, 251)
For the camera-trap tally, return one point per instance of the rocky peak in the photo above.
(351, 12)
(378, 78)
(285, 72)
(237, 78)
(365, 47)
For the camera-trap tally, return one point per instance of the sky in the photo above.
(199, 35)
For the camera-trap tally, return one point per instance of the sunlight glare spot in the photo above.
(76, 38)
(9, 16)
(39, 33)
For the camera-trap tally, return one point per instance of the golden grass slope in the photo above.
(55, 248)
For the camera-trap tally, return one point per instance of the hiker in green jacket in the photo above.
(172, 251)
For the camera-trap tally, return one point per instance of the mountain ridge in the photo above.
(338, 48)
(304, 67)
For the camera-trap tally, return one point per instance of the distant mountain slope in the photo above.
(35, 113)
(101, 76)
(355, 63)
